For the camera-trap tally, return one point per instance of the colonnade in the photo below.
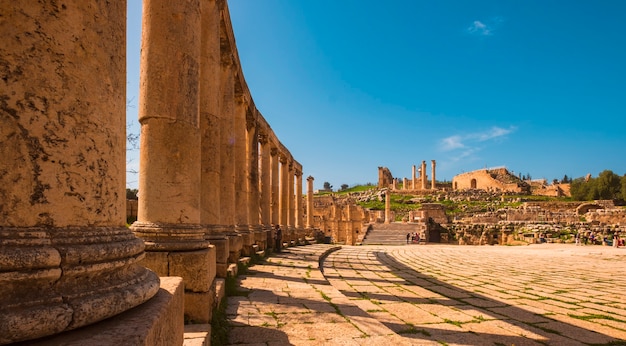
(214, 178)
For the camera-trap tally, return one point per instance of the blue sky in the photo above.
(350, 85)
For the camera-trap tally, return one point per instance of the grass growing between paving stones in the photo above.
(595, 317)
(413, 330)
(219, 324)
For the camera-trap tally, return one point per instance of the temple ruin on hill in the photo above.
(417, 182)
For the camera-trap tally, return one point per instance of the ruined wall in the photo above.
(340, 219)
(385, 179)
(490, 180)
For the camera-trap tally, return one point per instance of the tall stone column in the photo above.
(291, 218)
(170, 163)
(210, 131)
(299, 210)
(266, 183)
(227, 152)
(242, 170)
(413, 178)
(254, 195)
(433, 184)
(66, 258)
(387, 206)
(275, 193)
(405, 184)
(284, 193)
(309, 202)
(423, 175)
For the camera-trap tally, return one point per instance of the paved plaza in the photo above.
(548, 294)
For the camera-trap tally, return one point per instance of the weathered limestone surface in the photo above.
(66, 258)
(154, 323)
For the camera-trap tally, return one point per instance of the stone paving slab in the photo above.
(547, 294)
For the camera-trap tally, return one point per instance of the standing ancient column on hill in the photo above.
(170, 159)
(423, 175)
(67, 258)
(432, 178)
(387, 206)
(413, 178)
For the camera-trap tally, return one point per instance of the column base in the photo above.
(159, 321)
(59, 279)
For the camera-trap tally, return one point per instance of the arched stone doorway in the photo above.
(473, 183)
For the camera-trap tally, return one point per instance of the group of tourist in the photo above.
(412, 237)
(585, 237)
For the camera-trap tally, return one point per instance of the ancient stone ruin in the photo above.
(214, 178)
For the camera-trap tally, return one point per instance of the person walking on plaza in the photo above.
(616, 238)
(278, 237)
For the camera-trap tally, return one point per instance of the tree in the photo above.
(131, 193)
(327, 186)
(608, 185)
(565, 179)
(344, 187)
(623, 180)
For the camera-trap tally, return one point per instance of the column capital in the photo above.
(310, 178)
(283, 159)
(273, 151)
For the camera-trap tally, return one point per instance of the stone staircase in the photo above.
(390, 234)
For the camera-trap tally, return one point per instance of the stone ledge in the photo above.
(197, 335)
(159, 321)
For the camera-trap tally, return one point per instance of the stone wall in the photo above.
(340, 218)
(498, 179)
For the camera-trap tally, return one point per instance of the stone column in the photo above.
(211, 130)
(275, 193)
(405, 184)
(242, 170)
(284, 193)
(413, 178)
(423, 175)
(67, 259)
(170, 161)
(387, 206)
(299, 211)
(227, 164)
(309, 202)
(291, 218)
(433, 185)
(266, 183)
(254, 195)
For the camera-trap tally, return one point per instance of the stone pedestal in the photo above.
(156, 322)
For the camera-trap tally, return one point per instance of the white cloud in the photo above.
(480, 28)
(469, 141)
(494, 132)
(451, 143)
